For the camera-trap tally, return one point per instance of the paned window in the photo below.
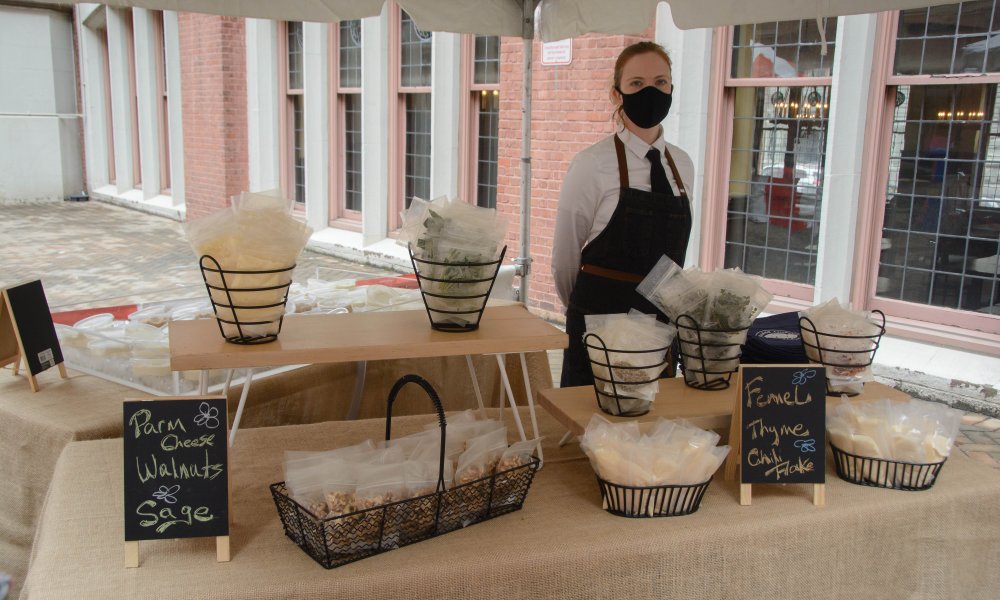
(779, 91)
(940, 236)
(415, 94)
(486, 98)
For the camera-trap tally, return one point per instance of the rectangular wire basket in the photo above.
(337, 540)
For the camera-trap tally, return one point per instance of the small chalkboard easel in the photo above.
(176, 472)
(27, 332)
(778, 430)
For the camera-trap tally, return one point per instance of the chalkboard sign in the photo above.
(176, 476)
(31, 322)
(783, 424)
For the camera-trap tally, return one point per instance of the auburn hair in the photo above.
(626, 55)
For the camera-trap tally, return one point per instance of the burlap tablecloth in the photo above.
(866, 542)
(35, 427)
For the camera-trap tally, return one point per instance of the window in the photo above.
(486, 108)
(163, 123)
(939, 245)
(415, 99)
(293, 113)
(133, 102)
(106, 79)
(345, 123)
(778, 94)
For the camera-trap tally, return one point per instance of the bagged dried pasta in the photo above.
(844, 340)
(257, 234)
(633, 356)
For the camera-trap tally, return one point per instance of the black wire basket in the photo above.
(842, 355)
(709, 355)
(334, 541)
(242, 301)
(883, 473)
(455, 293)
(653, 501)
(622, 377)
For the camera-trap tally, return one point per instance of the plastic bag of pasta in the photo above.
(256, 234)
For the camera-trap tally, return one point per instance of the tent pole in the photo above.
(523, 262)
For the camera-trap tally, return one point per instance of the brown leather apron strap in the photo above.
(673, 169)
(622, 165)
(611, 273)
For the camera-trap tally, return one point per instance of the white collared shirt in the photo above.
(589, 197)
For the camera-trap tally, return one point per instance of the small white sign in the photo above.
(557, 53)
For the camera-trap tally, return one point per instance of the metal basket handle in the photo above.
(405, 379)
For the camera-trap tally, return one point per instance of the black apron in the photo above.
(644, 227)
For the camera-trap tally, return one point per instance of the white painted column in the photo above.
(263, 131)
(89, 17)
(175, 113)
(147, 95)
(446, 98)
(316, 84)
(687, 124)
(375, 128)
(121, 110)
(845, 142)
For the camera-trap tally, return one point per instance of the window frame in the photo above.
(286, 122)
(340, 216)
(469, 119)
(162, 110)
(397, 118)
(967, 329)
(713, 247)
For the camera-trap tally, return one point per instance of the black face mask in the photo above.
(647, 107)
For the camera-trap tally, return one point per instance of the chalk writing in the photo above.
(176, 484)
(782, 423)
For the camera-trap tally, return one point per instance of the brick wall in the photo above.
(214, 101)
(571, 109)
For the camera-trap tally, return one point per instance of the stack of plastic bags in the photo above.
(913, 431)
(636, 345)
(457, 233)
(257, 233)
(370, 474)
(712, 312)
(844, 341)
(673, 452)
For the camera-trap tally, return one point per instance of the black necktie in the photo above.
(657, 176)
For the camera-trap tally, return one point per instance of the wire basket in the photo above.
(709, 355)
(622, 378)
(883, 473)
(249, 305)
(455, 293)
(338, 540)
(653, 501)
(842, 355)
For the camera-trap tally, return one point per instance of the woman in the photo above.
(623, 204)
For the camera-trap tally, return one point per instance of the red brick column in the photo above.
(214, 101)
(571, 109)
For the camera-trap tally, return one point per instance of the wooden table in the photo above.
(573, 407)
(360, 337)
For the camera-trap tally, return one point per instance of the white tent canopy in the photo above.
(559, 19)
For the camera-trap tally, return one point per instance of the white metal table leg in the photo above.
(229, 381)
(359, 390)
(510, 395)
(475, 385)
(531, 404)
(203, 382)
(239, 408)
(565, 438)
